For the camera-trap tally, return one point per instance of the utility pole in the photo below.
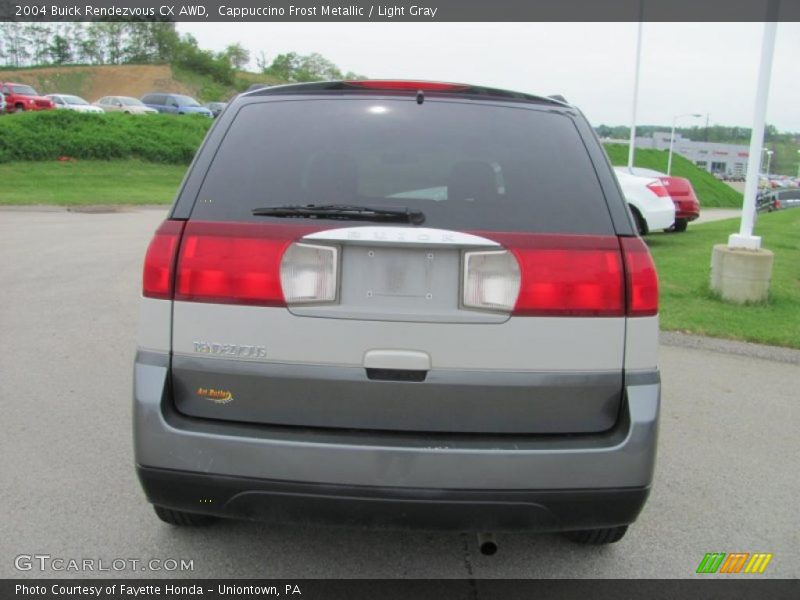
(632, 144)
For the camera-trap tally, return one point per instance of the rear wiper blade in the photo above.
(343, 211)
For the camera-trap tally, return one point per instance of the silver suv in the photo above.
(399, 303)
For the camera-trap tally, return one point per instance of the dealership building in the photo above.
(724, 159)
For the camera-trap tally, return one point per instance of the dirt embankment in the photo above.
(94, 82)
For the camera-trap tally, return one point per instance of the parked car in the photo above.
(175, 104)
(20, 97)
(258, 86)
(772, 200)
(70, 102)
(124, 104)
(687, 205)
(767, 201)
(215, 107)
(401, 303)
(649, 201)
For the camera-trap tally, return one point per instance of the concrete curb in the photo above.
(748, 349)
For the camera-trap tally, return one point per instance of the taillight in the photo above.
(309, 273)
(642, 279)
(491, 280)
(566, 275)
(159, 261)
(234, 263)
(425, 86)
(658, 189)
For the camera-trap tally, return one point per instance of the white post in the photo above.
(632, 145)
(769, 160)
(672, 139)
(745, 237)
(671, 143)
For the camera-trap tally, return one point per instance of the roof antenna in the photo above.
(420, 97)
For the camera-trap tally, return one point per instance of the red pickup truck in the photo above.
(20, 97)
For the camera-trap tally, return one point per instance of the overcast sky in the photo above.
(686, 67)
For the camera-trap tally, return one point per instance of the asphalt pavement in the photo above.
(727, 478)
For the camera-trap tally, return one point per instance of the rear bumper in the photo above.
(688, 210)
(660, 215)
(541, 482)
(461, 510)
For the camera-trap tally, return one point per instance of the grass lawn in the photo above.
(89, 182)
(687, 304)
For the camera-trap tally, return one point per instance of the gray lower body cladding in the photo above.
(444, 400)
(257, 470)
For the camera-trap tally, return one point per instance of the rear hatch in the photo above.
(373, 262)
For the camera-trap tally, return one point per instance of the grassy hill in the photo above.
(93, 82)
(710, 191)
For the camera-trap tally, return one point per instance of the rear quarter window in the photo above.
(466, 165)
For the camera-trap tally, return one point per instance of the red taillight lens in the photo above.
(234, 263)
(642, 279)
(425, 86)
(658, 189)
(157, 279)
(567, 275)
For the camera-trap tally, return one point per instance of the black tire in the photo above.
(680, 225)
(597, 537)
(19, 108)
(641, 224)
(182, 519)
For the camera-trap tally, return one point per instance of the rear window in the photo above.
(185, 101)
(24, 90)
(466, 166)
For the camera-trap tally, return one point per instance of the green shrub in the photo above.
(49, 135)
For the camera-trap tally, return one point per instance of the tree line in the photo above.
(715, 133)
(147, 42)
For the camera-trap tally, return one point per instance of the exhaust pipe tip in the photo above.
(487, 544)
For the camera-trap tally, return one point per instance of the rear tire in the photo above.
(182, 519)
(597, 537)
(680, 225)
(19, 108)
(641, 224)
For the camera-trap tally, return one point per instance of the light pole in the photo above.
(798, 165)
(769, 159)
(745, 237)
(672, 138)
(632, 143)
